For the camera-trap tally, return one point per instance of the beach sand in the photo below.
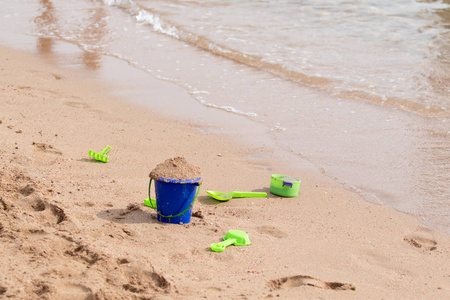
(75, 228)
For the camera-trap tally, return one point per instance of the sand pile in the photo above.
(175, 168)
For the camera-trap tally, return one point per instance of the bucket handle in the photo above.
(155, 207)
(287, 183)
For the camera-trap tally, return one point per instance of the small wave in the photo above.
(144, 16)
(230, 109)
(398, 103)
(277, 127)
(159, 25)
(120, 3)
(155, 21)
(200, 92)
(318, 82)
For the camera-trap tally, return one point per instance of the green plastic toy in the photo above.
(225, 197)
(100, 156)
(150, 202)
(284, 186)
(233, 237)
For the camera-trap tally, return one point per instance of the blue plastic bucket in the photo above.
(175, 198)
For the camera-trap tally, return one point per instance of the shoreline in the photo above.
(78, 228)
(389, 157)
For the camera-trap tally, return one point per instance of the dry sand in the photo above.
(74, 228)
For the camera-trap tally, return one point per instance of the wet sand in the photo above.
(75, 228)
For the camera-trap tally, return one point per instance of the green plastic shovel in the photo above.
(225, 197)
(233, 237)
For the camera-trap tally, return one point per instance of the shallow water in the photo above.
(393, 52)
(357, 89)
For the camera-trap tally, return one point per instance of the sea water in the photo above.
(358, 90)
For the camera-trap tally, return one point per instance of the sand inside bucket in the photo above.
(175, 168)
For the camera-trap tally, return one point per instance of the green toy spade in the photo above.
(233, 237)
(225, 197)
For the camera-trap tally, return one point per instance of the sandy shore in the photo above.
(74, 228)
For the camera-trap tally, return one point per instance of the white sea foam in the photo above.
(144, 16)
(231, 109)
(151, 19)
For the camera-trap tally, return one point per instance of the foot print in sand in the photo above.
(48, 214)
(69, 290)
(2, 290)
(41, 288)
(27, 190)
(300, 280)
(57, 77)
(76, 104)
(123, 213)
(3, 204)
(131, 214)
(139, 281)
(85, 254)
(122, 261)
(272, 231)
(38, 205)
(46, 76)
(421, 242)
(46, 148)
(58, 212)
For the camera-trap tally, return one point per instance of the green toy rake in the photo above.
(100, 156)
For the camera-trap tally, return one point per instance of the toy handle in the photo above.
(219, 247)
(104, 151)
(248, 194)
(287, 183)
